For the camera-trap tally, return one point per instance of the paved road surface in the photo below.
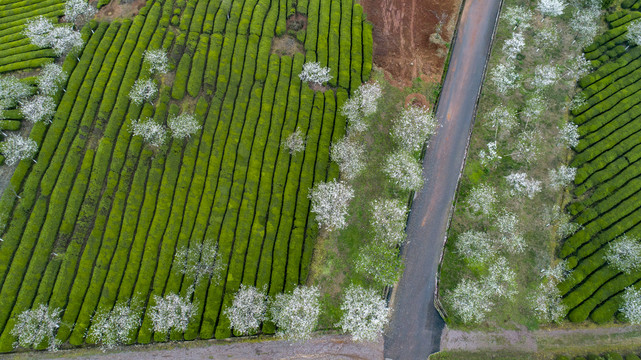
(415, 329)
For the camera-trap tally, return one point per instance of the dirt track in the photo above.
(402, 30)
(415, 330)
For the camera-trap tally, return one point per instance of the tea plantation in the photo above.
(609, 164)
(97, 219)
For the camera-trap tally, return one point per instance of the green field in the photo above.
(97, 219)
(608, 159)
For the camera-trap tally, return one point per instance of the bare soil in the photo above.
(286, 45)
(416, 99)
(402, 30)
(119, 9)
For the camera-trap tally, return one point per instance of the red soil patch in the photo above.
(402, 29)
(120, 9)
(416, 99)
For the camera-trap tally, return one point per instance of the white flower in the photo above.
(501, 118)
(624, 254)
(171, 312)
(295, 142)
(501, 280)
(514, 45)
(34, 326)
(475, 246)
(527, 146)
(16, 148)
(412, 128)
(248, 309)
(631, 307)
(545, 75)
(490, 157)
(362, 104)
(330, 202)
(563, 176)
(585, 23)
(548, 303)
(37, 30)
(200, 261)
(143, 90)
(51, 77)
(548, 37)
(183, 125)
(404, 171)
(12, 91)
(111, 328)
(78, 10)
(522, 185)
(517, 17)
(313, 72)
(39, 108)
(348, 155)
(551, 7)
(505, 77)
(557, 273)
(470, 301)
(365, 314)
(152, 132)
(63, 39)
(296, 314)
(157, 60)
(388, 221)
(510, 238)
(481, 199)
(634, 32)
(380, 263)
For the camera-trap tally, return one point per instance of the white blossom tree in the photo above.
(38, 108)
(157, 60)
(64, 39)
(171, 312)
(12, 91)
(183, 126)
(50, 79)
(388, 220)
(16, 148)
(534, 107)
(527, 148)
(475, 246)
(348, 154)
(569, 135)
(37, 30)
(551, 7)
(114, 327)
(295, 142)
(313, 72)
(624, 254)
(365, 314)
(631, 307)
(248, 310)
(557, 273)
(561, 177)
(547, 302)
(505, 77)
(200, 261)
(513, 46)
(470, 301)
(379, 262)
(518, 17)
(404, 171)
(520, 184)
(501, 118)
(501, 280)
(79, 11)
(634, 32)
(490, 157)
(34, 326)
(510, 237)
(547, 37)
(152, 132)
(544, 76)
(143, 90)
(577, 102)
(585, 23)
(361, 105)
(296, 314)
(413, 126)
(481, 199)
(330, 201)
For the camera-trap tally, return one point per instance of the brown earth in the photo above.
(119, 9)
(402, 30)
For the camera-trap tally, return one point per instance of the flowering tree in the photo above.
(548, 303)
(16, 148)
(520, 184)
(414, 125)
(380, 263)
(365, 314)
(557, 273)
(475, 246)
(569, 135)
(534, 106)
(78, 11)
(527, 147)
(200, 261)
(634, 32)
(514, 45)
(563, 176)
(631, 307)
(248, 309)
(296, 314)
(517, 17)
(64, 39)
(12, 91)
(171, 312)
(491, 157)
(510, 238)
(111, 328)
(362, 104)
(152, 132)
(388, 221)
(624, 254)
(470, 301)
(404, 171)
(501, 280)
(34, 326)
(584, 22)
(39, 108)
(183, 125)
(481, 199)
(349, 156)
(551, 7)
(313, 72)
(577, 67)
(157, 60)
(547, 38)
(37, 30)
(544, 76)
(51, 77)
(505, 77)
(501, 118)
(295, 142)
(329, 202)
(143, 90)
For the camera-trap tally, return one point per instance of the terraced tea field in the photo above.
(97, 219)
(609, 164)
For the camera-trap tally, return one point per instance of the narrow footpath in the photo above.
(415, 329)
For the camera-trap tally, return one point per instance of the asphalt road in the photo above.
(415, 328)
